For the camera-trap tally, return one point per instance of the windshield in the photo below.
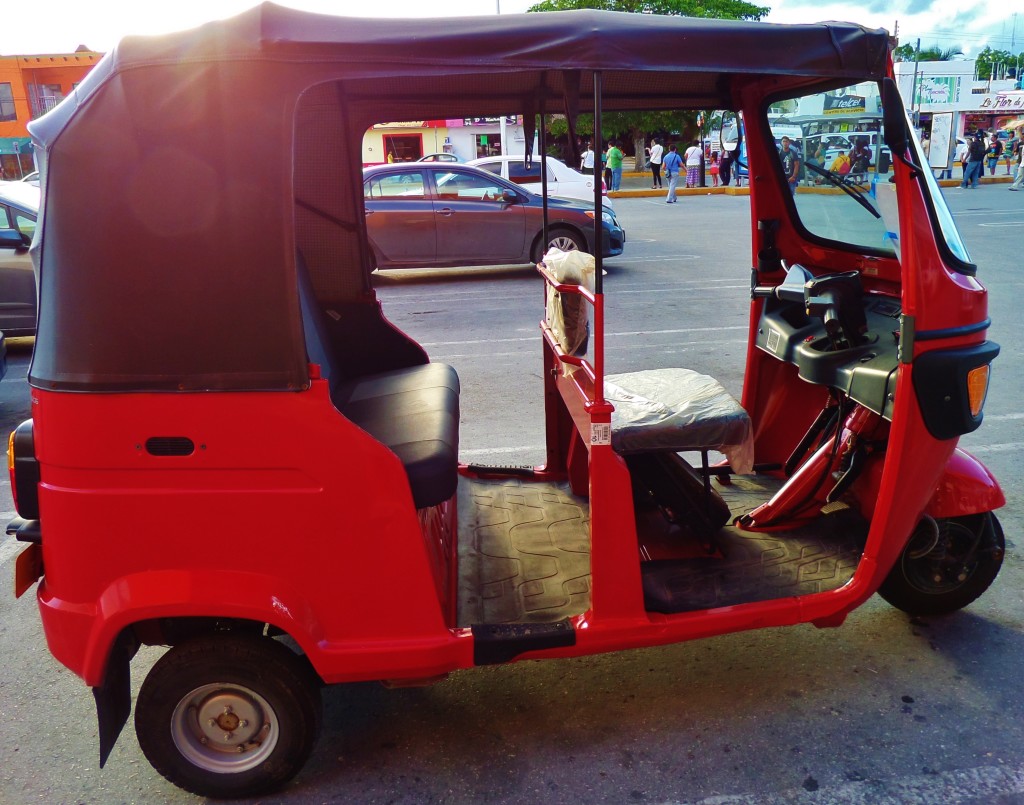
(831, 146)
(943, 217)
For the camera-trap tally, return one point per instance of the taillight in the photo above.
(24, 469)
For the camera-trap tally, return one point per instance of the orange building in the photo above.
(30, 86)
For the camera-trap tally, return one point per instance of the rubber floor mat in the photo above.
(760, 566)
(524, 552)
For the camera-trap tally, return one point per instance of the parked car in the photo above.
(439, 157)
(563, 181)
(433, 214)
(19, 208)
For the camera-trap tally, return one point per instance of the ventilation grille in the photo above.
(170, 446)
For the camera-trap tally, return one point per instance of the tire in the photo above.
(562, 238)
(229, 715)
(946, 566)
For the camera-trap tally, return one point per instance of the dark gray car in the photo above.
(432, 214)
(19, 208)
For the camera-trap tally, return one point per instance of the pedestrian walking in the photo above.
(1018, 183)
(1010, 151)
(992, 154)
(672, 165)
(975, 161)
(656, 155)
(693, 157)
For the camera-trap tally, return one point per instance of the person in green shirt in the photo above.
(615, 163)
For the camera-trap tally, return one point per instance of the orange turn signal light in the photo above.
(977, 388)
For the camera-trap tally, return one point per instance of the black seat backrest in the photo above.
(319, 349)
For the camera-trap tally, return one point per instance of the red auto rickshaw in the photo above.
(214, 376)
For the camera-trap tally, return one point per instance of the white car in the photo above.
(563, 181)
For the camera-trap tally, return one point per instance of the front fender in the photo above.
(965, 487)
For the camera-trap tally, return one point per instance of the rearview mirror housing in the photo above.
(894, 118)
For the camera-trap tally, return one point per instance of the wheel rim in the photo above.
(562, 242)
(224, 728)
(941, 568)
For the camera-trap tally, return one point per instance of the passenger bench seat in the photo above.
(413, 410)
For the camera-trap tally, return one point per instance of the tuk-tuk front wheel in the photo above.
(228, 715)
(946, 565)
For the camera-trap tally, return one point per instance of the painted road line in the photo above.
(1005, 447)
(623, 334)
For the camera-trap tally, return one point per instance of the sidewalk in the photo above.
(635, 185)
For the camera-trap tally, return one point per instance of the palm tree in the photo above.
(908, 52)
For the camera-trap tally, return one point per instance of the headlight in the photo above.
(606, 216)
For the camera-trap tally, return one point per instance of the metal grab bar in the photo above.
(594, 372)
(562, 287)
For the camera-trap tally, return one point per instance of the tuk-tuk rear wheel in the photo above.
(228, 715)
(946, 565)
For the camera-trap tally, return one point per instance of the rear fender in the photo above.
(221, 594)
(146, 596)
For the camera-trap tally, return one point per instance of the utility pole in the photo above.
(914, 102)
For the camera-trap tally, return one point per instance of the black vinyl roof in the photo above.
(220, 151)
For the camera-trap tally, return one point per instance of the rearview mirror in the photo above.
(730, 132)
(894, 118)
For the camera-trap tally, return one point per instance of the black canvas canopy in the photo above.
(183, 174)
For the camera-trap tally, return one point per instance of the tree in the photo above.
(996, 63)
(908, 52)
(638, 124)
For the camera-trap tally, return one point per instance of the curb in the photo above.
(732, 190)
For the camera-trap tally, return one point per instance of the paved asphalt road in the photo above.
(887, 709)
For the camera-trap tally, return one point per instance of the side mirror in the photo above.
(730, 132)
(12, 239)
(510, 197)
(894, 118)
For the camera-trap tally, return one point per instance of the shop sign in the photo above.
(844, 105)
(1001, 102)
(942, 89)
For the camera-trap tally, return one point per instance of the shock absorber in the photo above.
(810, 487)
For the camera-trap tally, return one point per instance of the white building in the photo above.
(948, 87)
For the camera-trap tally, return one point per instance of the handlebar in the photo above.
(834, 298)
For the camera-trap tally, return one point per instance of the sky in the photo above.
(60, 26)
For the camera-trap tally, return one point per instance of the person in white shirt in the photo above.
(587, 162)
(693, 157)
(656, 152)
